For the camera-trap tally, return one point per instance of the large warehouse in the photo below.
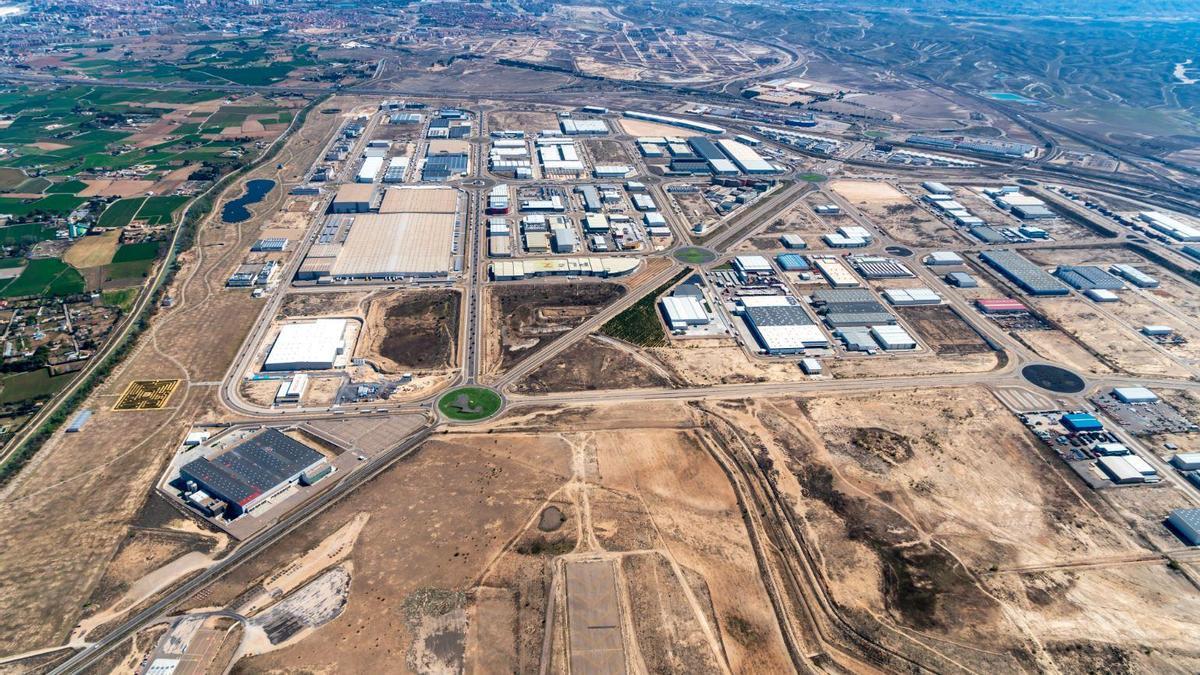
(312, 345)
(1018, 269)
(413, 235)
(1186, 523)
(353, 198)
(252, 472)
(781, 325)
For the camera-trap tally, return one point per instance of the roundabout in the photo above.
(470, 404)
(694, 255)
(1053, 378)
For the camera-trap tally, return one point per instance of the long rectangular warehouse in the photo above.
(674, 121)
(311, 345)
(419, 200)
(393, 245)
(1019, 270)
(746, 158)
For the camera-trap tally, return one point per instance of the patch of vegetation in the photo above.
(45, 276)
(120, 212)
(469, 404)
(694, 255)
(69, 187)
(31, 386)
(25, 234)
(146, 250)
(639, 324)
(158, 210)
(122, 299)
(52, 205)
(813, 177)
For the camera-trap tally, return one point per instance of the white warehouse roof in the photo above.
(1135, 395)
(311, 345)
(684, 310)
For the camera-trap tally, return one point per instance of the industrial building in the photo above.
(270, 245)
(892, 337)
(1101, 295)
(793, 241)
(835, 273)
(1186, 461)
(745, 157)
(1120, 470)
(1170, 226)
(1077, 422)
(1186, 524)
(513, 270)
(388, 246)
(291, 389)
(879, 267)
(850, 307)
(907, 297)
(936, 188)
(674, 121)
(752, 265)
(1134, 276)
(252, 472)
(369, 171)
(714, 160)
(353, 198)
(1000, 306)
(943, 258)
(420, 199)
(681, 311)
(1134, 395)
(311, 345)
(781, 325)
(1087, 277)
(791, 262)
(574, 127)
(961, 280)
(1019, 270)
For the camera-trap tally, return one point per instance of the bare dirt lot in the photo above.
(524, 120)
(1115, 344)
(412, 331)
(896, 214)
(942, 329)
(608, 152)
(595, 364)
(890, 485)
(527, 317)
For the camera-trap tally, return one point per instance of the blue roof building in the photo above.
(1081, 422)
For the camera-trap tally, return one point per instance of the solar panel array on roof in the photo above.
(1089, 277)
(826, 295)
(1019, 270)
(253, 468)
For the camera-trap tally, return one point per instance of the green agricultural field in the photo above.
(639, 324)
(36, 384)
(127, 273)
(120, 212)
(69, 187)
(59, 205)
(158, 210)
(146, 250)
(122, 299)
(45, 276)
(470, 404)
(29, 233)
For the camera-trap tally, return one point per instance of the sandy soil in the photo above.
(1118, 344)
(115, 188)
(891, 485)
